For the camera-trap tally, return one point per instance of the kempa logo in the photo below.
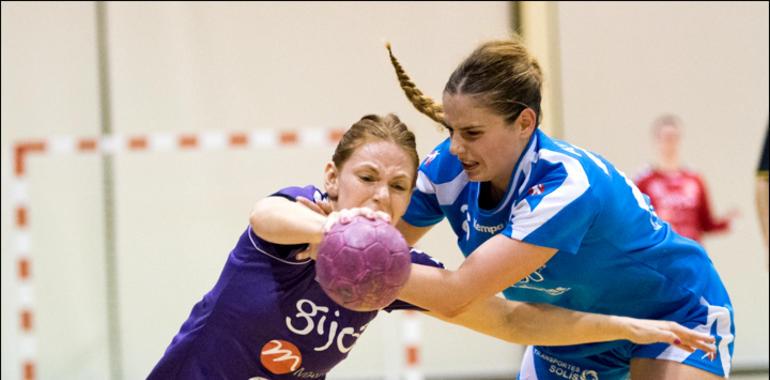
(476, 226)
(488, 229)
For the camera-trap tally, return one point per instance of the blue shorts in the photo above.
(551, 363)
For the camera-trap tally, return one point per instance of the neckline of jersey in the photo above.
(510, 190)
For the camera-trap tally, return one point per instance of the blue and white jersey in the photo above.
(615, 256)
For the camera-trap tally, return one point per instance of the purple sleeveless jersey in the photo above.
(267, 317)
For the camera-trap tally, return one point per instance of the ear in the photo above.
(331, 180)
(528, 121)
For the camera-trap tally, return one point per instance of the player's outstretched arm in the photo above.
(547, 325)
(492, 267)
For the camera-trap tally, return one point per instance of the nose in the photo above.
(455, 146)
(382, 192)
(381, 197)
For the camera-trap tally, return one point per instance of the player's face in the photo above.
(485, 143)
(378, 175)
(668, 137)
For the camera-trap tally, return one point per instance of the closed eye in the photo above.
(472, 134)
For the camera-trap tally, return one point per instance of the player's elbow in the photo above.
(454, 307)
(254, 219)
(259, 216)
(460, 296)
(443, 292)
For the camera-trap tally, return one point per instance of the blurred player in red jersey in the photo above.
(679, 194)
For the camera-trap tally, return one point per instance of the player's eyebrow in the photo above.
(470, 126)
(371, 167)
(463, 127)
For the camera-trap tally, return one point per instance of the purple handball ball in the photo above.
(362, 265)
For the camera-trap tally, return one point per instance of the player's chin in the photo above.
(477, 176)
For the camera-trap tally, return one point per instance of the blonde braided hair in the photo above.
(423, 103)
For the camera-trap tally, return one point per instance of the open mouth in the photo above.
(469, 165)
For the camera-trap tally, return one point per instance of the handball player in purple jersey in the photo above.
(267, 317)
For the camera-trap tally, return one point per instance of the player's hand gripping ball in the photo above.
(363, 264)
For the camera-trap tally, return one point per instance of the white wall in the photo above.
(177, 67)
(624, 64)
(49, 87)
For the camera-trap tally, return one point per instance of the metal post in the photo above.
(110, 259)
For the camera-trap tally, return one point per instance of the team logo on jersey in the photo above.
(533, 280)
(430, 157)
(466, 223)
(322, 321)
(280, 356)
(536, 190)
(567, 370)
(487, 229)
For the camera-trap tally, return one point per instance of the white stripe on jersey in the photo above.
(723, 329)
(676, 354)
(576, 183)
(424, 185)
(574, 149)
(527, 371)
(596, 160)
(717, 314)
(446, 192)
(260, 250)
(525, 166)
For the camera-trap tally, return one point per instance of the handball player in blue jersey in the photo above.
(267, 317)
(544, 221)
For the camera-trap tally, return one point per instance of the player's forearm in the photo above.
(281, 221)
(438, 290)
(494, 266)
(548, 325)
(539, 324)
